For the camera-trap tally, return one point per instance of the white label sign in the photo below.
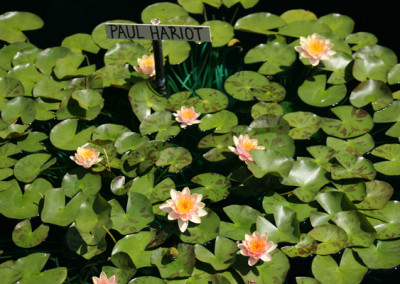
(158, 32)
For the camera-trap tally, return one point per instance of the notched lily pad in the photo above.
(176, 158)
(391, 152)
(304, 124)
(371, 91)
(262, 23)
(24, 237)
(215, 186)
(243, 84)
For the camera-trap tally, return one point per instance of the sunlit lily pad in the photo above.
(50, 88)
(269, 161)
(176, 158)
(394, 75)
(219, 145)
(350, 270)
(163, 11)
(147, 280)
(24, 237)
(156, 122)
(8, 52)
(274, 92)
(352, 166)
(27, 74)
(340, 25)
(262, 23)
(80, 42)
(304, 248)
(130, 141)
(6, 151)
(261, 108)
(361, 39)
(353, 122)
(63, 135)
(13, 23)
(177, 51)
(304, 28)
(29, 167)
(245, 3)
(274, 55)
(223, 256)
(322, 155)
(356, 146)
(298, 15)
(124, 52)
(391, 152)
(270, 123)
(331, 237)
(243, 84)
(125, 269)
(113, 75)
(304, 124)
(221, 32)
(212, 100)
(215, 186)
(313, 92)
(221, 121)
(80, 179)
(45, 110)
(389, 114)
(382, 255)
(371, 91)
(10, 87)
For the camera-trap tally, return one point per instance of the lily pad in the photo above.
(10, 87)
(352, 166)
(262, 23)
(63, 135)
(221, 121)
(113, 75)
(245, 3)
(163, 11)
(361, 39)
(298, 15)
(212, 100)
(13, 23)
(24, 237)
(356, 146)
(269, 161)
(392, 154)
(124, 52)
(304, 248)
(261, 108)
(371, 91)
(313, 92)
(304, 124)
(125, 269)
(50, 88)
(389, 114)
(99, 34)
(378, 193)
(340, 25)
(215, 186)
(270, 123)
(224, 253)
(8, 52)
(27, 74)
(80, 42)
(6, 151)
(331, 237)
(176, 158)
(304, 28)
(176, 51)
(382, 255)
(221, 32)
(80, 179)
(29, 167)
(243, 84)
(130, 141)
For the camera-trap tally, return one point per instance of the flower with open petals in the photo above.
(146, 65)
(315, 48)
(184, 207)
(256, 247)
(187, 116)
(104, 280)
(243, 145)
(86, 156)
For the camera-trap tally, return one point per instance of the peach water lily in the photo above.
(256, 247)
(104, 279)
(184, 207)
(86, 156)
(243, 145)
(146, 65)
(315, 48)
(187, 116)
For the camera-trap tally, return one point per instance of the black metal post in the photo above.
(160, 81)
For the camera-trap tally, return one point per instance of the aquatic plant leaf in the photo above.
(169, 267)
(13, 23)
(147, 280)
(269, 123)
(8, 52)
(176, 158)
(80, 179)
(353, 122)
(269, 161)
(130, 141)
(160, 122)
(306, 280)
(243, 84)
(371, 91)
(244, 219)
(64, 136)
(27, 74)
(88, 99)
(378, 193)
(221, 122)
(313, 92)
(356, 146)
(304, 124)
(220, 142)
(340, 25)
(339, 64)
(245, 3)
(138, 214)
(192, 6)
(361, 39)
(221, 32)
(10, 87)
(297, 15)
(331, 238)
(304, 28)
(215, 186)
(12, 130)
(280, 142)
(392, 154)
(261, 108)
(177, 51)
(304, 248)
(276, 57)
(68, 66)
(224, 253)
(163, 11)
(125, 269)
(99, 34)
(6, 151)
(390, 114)
(27, 55)
(350, 270)
(211, 100)
(382, 255)
(30, 166)
(352, 166)
(50, 88)
(109, 131)
(24, 237)
(124, 52)
(80, 42)
(262, 23)
(113, 75)
(394, 75)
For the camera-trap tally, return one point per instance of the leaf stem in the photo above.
(111, 236)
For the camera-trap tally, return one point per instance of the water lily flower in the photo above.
(315, 48)
(256, 247)
(187, 116)
(184, 207)
(243, 145)
(86, 156)
(104, 280)
(146, 65)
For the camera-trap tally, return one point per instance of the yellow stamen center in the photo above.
(187, 113)
(256, 245)
(185, 204)
(249, 144)
(316, 45)
(86, 153)
(149, 61)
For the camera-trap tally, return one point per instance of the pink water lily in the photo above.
(146, 65)
(315, 48)
(243, 145)
(184, 207)
(86, 156)
(187, 116)
(256, 247)
(104, 280)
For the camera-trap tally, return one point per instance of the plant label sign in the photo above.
(158, 32)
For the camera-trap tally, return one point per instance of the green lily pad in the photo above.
(350, 270)
(394, 75)
(26, 55)
(373, 62)
(389, 114)
(10, 87)
(137, 216)
(222, 121)
(306, 280)
(147, 280)
(160, 122)
(163, 11)
(304, 28)
(8, 52)
(124, 52)
(29, 167)
(304, 124)
(125, 269)
(221, 32)
(27, 74)
(243, 217)
(68, 66)
(286, 228)
(134, 245)
(378, 193)
(169, 267)
(143, 99)
(215, 186)
(109, 131)
(49, 88)
(304, 248)
(47, 59)
(245, 3)
(276, 57)
(298, 15)
(371, 91)
(243, 84)
(356, 146)
(220, 142)
(201, 233)
(391, 153)
(13, 23)
(261, 108)
(313, 92)
(224, 253)
(303, 210)
(78, 105)
(177, 51)
(130, 141)
(382, 255)
(361, 39)
(63, 135)
(340, 25)
(354, 191)
(274, 92)
(24, 237)
(211, 100)
(352, 166)
(44, 110)
(113, 75)
(339, 64)
(269, 123)
(21, 205)
(269, 161)
(176, 158)
(80, 42)
(394, 131)
(6, 151)
(309, 178)
(99, 34)
(353, 122)
(262, 23)
(80, 179)
(331, 237)
(88, 99)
